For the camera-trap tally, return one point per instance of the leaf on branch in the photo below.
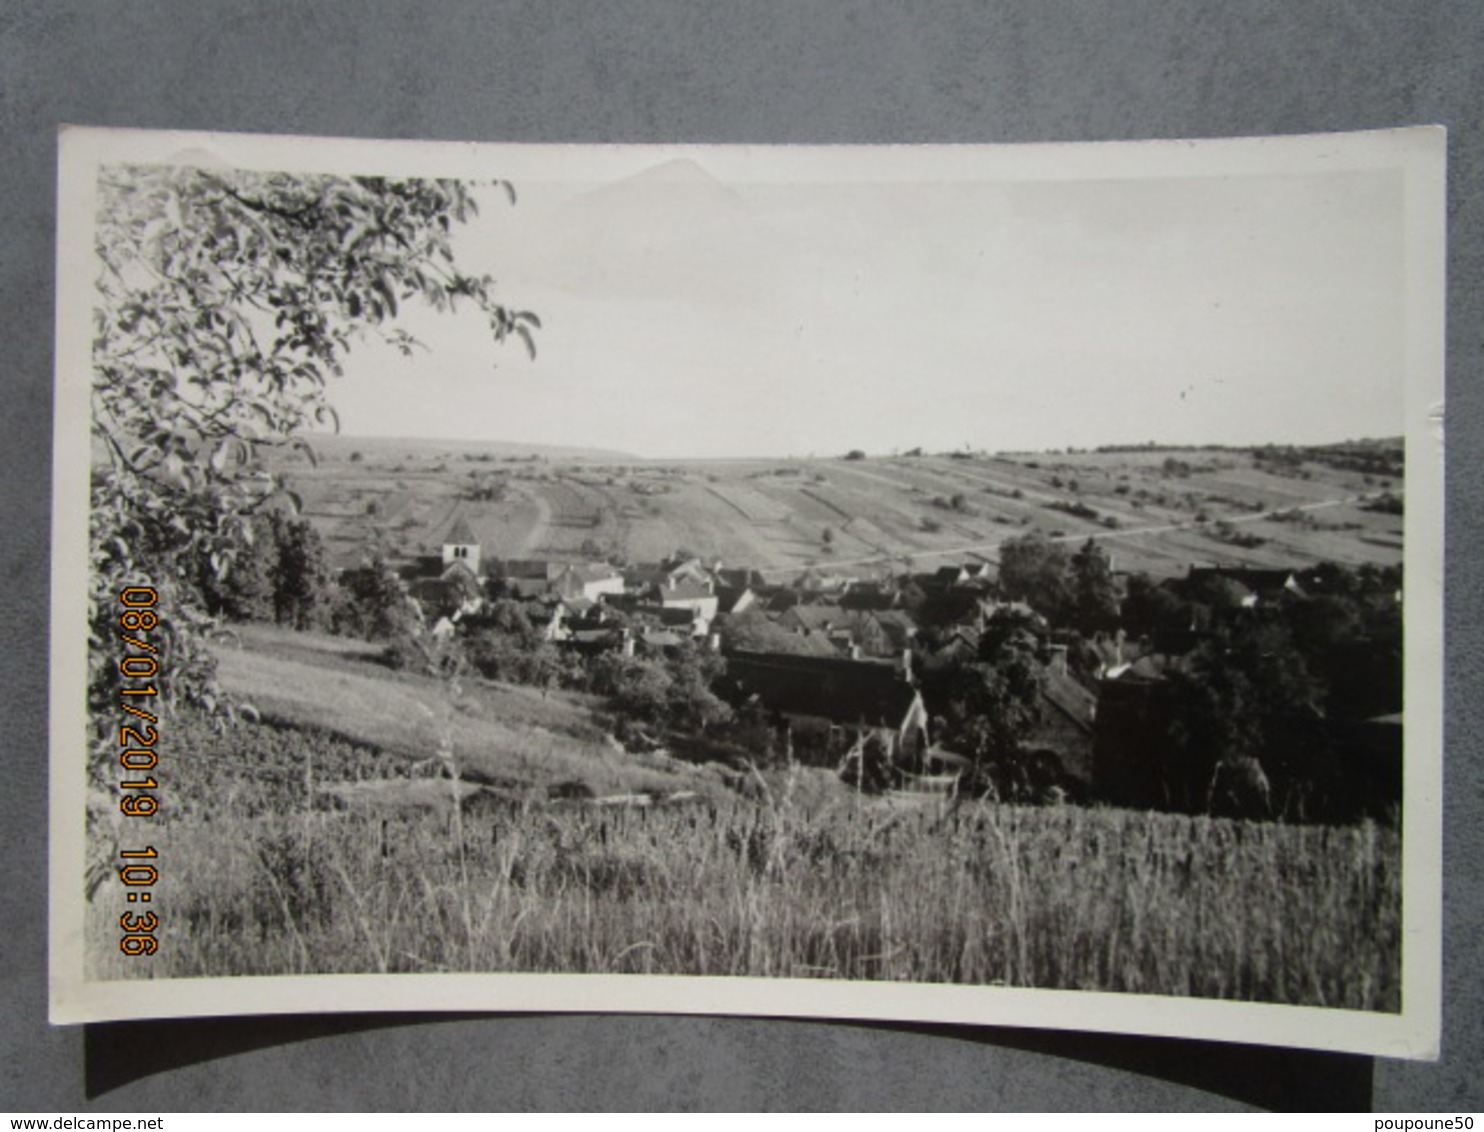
(382, 286)
(303, 445)
(268, 418)
(525, 336)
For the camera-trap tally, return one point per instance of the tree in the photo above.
(1036, 570)
(225, 302)
(244, 590)
(374, 604)
(1154, 610)
(1241, 695)
(1012, 635)
(992, 707)
(303, 584)
(504, 643)
(693, 706)
(280, 573)
(1094, 594)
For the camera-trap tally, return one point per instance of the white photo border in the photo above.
(1418, 154)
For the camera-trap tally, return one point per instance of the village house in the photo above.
(955, 606)
(647, 577)
(890, 631)
(448, 586)
(573, 615)
(699, 597)
(778, 599)
(824, 706)
(829, 621)
(535, 579)
(821, 585)
(857, 633)
(1067, 724)
(1252, 586)
(450, 597)
(736, 578)
(734, 599)
(872, 596)
(590, 580)
(526, 579)
(959, 646)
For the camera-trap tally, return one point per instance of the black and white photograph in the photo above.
(940, 583)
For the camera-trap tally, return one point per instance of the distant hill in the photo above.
(340, 447)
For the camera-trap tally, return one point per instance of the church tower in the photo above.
(460, 545)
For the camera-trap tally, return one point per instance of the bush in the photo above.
(1385, 504)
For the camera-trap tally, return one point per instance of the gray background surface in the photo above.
(759, 72)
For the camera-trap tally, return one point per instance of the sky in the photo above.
(691, 310)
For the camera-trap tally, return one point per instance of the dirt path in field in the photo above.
(537, 534)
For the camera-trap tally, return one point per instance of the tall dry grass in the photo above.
(257, 880)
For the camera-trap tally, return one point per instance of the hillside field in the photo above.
(1157, 510)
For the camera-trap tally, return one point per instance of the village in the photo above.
(1061, 683)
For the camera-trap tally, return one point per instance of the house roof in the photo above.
(1070, 698)
(594, 636)
(662, 639)
(449, 591)
(953, 606)
(781, 599)
(816, 617)
(962, 645)
(846, 692)
(666, 615)
(528, 568)
(1151, 666)
(460, 534)
(1255, 579)
(526, 588)
(423, 566)
(649, 574)
(593, 571)
(729, 596)
(900, 626)
(685, 590)
(459, 573)
(869, 595)
(736, 577)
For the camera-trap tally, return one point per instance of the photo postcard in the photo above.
(973, 584)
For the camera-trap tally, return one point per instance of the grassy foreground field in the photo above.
(261, 874)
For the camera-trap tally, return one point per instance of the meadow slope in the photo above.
(1157, 510)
